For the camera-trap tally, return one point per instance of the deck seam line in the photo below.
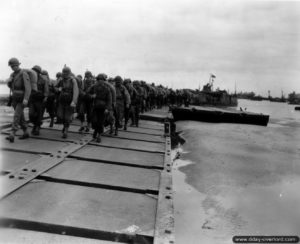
(124, 148)
(115, 162)
(97, 185)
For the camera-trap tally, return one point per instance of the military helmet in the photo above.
(105, 76)
(44, 72)
(37, 68)
(66, 70)
(101, 77)
(88, 73)
(58, 75)
(127, 80)
(118, 79)
(13, 62)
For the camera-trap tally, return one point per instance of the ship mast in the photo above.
(211, 80)
(234, 88)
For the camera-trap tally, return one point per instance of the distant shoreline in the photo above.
(3, 99)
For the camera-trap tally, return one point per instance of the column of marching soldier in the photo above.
(98, 101)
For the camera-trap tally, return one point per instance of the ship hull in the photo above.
(219, 116)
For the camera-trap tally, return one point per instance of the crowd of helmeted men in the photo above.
(98, 100)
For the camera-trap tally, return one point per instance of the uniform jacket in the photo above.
(103, 95)
(122, 95)
(69, 85)
(132, 92)
(112, 91)
(20, 82)
(43, 85)
(139, 95)
(87, 83)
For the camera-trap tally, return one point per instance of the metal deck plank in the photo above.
(153, 117)
(150, 123)
(49, 134)
(85, 199)
(11, 161)
(32, 145)
(130, 144)
(19, 236)
(106, 174)
(73, 128)
(81, 207)
(127, 157)
(145, 131)
(139, 137)
(18, 178)
(157, 128)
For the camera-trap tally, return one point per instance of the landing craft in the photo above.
(207, 96)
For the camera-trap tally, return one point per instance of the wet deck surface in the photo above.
(85, 190)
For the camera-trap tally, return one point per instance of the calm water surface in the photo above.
(239, 179)
(4, 90)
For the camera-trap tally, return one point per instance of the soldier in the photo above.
(19, 84)
(137, 103)
(111, 112)
(147, 97)
(50, 104)
(172, 97)
(58, 78)
(132, 94)
(123, 101)
(87, 101)
(80, 95)
(152, 96)
(38, 100)
(101, 105)
(179, 98)
(144, 97)
(186, 97)
(68, 95)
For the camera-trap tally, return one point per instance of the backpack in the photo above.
(33, 78)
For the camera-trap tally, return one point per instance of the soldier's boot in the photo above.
(116, 131)
(11, 137)
(65, 132)
(111, 131)
(125, 126)
(37, 132)
(33, 130)
(25, 135)
(95, 134)
(98, 138)
(51, 123)
(87, 128)
(58, 121)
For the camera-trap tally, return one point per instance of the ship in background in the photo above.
(207, 96)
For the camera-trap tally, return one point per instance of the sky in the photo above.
(253, 45)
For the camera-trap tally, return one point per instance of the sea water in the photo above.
(4, 90)
(234, 179)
